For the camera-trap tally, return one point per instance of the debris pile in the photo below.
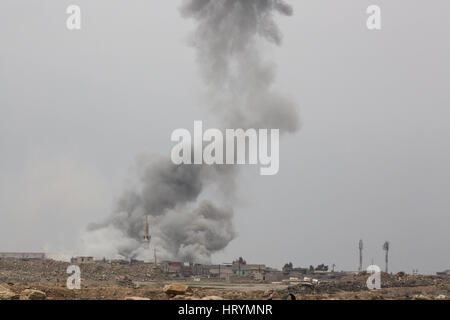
(7, 294)
(55, 272)
(38, 280)
(358, 283)
(31, 294)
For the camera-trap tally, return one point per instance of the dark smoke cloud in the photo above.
(228, 43)
(167, 194)
(197, 234)
(185, 226)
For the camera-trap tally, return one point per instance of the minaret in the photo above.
(146, 236)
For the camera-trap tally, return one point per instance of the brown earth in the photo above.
(47, 280)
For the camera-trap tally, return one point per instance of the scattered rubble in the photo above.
(30, 294)
(136, 298)
(7, 294)
(421, 297)
(47, 280)
(55, 272)
(212, 298)
(357, 283)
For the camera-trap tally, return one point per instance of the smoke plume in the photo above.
(184, 225)
(228, 40)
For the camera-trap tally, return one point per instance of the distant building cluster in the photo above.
(237, 269)
(229, 271)
(240, 269)
(225, 271)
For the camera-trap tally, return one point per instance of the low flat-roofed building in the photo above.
(171, 266)
(78, 260)
(220, 271)
(244, 270)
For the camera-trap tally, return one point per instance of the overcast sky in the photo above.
(371, 161)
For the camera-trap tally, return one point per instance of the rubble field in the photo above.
(38, 280)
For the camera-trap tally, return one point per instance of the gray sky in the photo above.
(371, 161)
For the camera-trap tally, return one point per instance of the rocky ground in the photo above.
(34, 280)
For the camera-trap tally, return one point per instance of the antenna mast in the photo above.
(386, 248)
(360, 255)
